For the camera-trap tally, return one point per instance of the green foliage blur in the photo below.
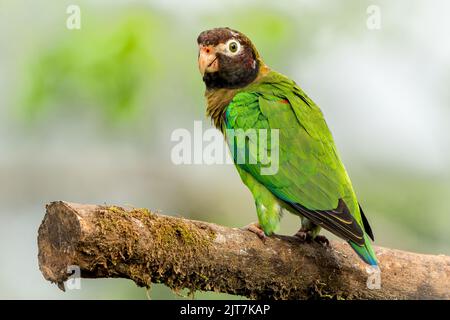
(107, 66)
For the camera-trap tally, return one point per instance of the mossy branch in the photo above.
(110, 241)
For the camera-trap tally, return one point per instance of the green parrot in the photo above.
(243, 93)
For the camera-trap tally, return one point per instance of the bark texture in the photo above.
(110, 241)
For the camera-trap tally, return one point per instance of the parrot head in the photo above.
(227, 59)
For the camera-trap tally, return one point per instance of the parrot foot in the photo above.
(322, 240)
(256, 229)
(307, 236)
(303, 235)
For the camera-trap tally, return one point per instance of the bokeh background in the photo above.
(86, 116)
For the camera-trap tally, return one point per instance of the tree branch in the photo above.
(109, 241)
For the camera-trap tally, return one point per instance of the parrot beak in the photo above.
(207, 59)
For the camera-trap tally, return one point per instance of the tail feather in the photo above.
(365, 252)
(366, 224)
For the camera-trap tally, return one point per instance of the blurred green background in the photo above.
(86, 116)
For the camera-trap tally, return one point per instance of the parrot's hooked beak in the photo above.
(207, 59)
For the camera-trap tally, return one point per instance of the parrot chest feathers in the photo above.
(218, 99)
(217, 102)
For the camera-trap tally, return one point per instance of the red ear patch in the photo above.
(285, 101)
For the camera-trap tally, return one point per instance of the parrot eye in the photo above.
(233, 46)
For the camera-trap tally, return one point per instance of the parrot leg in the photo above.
(256, 229)
(268, 207)
(310, 232)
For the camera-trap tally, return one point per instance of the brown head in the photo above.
(227, 59)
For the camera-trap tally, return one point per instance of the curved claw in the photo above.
(322, 240)
(256, 229)
(307, 236)
(303, 235)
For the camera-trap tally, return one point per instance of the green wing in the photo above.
(311, 178)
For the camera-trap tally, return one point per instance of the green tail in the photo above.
(365, 252)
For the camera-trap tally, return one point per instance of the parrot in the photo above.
(243, 93)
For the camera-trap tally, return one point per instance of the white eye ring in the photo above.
(233, 46)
